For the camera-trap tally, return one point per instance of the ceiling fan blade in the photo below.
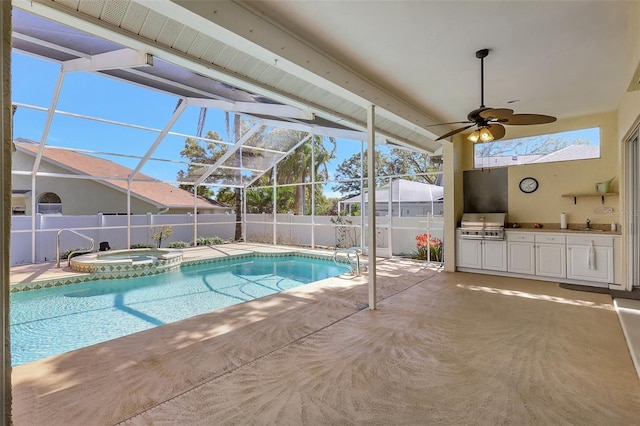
(497, 130)
(526, 119)
(497, 114)
(453, 122)
(453, 132)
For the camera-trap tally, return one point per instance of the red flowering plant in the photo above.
(429, 248)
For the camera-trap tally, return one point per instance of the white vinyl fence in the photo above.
(109, 228)
(309, 231)
(326, 231)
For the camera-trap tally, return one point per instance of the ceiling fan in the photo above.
(489, 121)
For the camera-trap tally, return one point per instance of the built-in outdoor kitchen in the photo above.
(489, 242)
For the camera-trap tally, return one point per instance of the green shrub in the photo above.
(179, 244)
(66, 254)
(140, 245)
(210, 241)
(161, 233)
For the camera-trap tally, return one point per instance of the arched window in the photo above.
(49, 203)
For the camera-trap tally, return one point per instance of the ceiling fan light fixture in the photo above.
(486, 135)
(490, 122)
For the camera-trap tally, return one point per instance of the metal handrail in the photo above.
(93, 246)
(348, 252)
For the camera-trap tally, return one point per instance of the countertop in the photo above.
(598, 229)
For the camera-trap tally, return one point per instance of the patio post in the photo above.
(128, 214)
(275, 201)
(195, 215)
(313, 193)
(390, 216)
(371, 207)
(6, 114)
(362, 200)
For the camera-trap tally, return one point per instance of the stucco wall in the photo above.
(629, 110)
(453, 198)
(79, 196)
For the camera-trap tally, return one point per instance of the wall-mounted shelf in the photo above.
(590, 194)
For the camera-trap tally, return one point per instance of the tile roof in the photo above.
(143, 187)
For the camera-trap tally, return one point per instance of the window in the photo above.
(49, 203)
(565, 146)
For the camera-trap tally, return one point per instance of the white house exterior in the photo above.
(408, 199)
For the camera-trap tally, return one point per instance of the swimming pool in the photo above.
(55, 320)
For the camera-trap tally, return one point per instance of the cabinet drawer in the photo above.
(598, 240)
(523, 237)
(550, 238)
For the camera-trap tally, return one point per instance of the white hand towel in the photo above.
(592, 256)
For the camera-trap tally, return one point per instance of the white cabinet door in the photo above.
(469, 254)
(494, 255)
(521, 257)
(578, 264)
(551, 260)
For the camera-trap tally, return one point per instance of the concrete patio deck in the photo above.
(443, 348)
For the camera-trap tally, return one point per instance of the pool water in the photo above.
(56, 320)
(133, 257)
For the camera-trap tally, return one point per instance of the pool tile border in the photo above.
(196, 262)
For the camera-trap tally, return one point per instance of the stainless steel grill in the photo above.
(483, 226)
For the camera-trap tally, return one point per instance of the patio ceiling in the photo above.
(245, 160)
(563, 58)
(72, 44)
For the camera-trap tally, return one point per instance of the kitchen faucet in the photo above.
(588, 223)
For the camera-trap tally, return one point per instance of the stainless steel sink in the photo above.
(587, 230)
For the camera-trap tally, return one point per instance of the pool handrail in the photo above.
(93, 246)
(357, 251)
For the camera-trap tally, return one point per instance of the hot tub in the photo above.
(128, 263)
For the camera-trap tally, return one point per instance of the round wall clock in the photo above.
(528, 185)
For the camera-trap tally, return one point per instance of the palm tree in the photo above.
(297, 167)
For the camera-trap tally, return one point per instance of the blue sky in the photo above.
(34, 81)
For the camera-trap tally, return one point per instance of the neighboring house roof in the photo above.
(143, 187)
(572, 152)
(404, 191)
(505, 160)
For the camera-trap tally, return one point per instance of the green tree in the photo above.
(298, 167)
(199, 157)
(326, 206)
(535, 145)
(202, 155)
(226, 196)
(295, 168)
(395, 162)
